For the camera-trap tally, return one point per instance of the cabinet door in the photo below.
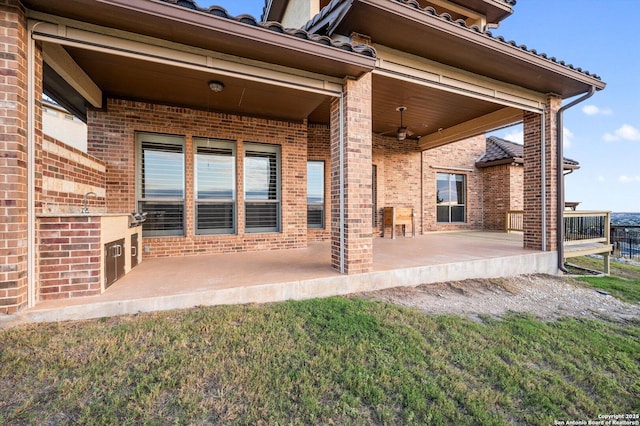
(134, 250)
(113, 261)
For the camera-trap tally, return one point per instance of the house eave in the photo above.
(457, 45)
(158, 19)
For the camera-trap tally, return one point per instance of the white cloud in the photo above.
(628, 179)
(594, 110)
(567, 138)
(516, 136)
(601, 178)
(626, 132)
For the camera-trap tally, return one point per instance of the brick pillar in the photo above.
(533, 175)
(358, 239)
(13, 157)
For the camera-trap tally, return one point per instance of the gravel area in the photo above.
(546, 297)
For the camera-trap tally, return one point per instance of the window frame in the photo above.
(451, 180)
(166, 139)
(264, 149)
(197, 202)
(320, 204)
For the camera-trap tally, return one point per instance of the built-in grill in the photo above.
(136, 219)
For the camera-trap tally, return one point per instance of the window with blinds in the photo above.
(262, 187)
(160, 183)
(215, 186)
(315, 194)
(451, 197)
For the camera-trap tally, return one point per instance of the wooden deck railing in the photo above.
(586, 227)
(514, 221)
(588, 232)
(585, 232)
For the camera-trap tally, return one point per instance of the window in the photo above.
(160, 183)
(451, 197)
(215, 186)
(262, 187)
(315, 194)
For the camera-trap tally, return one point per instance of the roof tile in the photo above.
(221, 12)
(500, 150)
(446, 17)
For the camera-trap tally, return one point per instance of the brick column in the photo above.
(533, 175)
(358, 239)
(13, 157)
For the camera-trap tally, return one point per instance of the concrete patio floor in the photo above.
(270, 276)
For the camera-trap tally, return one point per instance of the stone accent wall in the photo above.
(458, 158)
(502, 191)
(533, 176)
(68, 175)
(111, 137)
(319, 149)
(358, 244)
(13, 156)
(69, 259)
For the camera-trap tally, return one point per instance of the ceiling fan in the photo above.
(402, 132)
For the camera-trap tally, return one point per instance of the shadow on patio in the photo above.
(269, 276)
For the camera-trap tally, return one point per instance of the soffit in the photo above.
(429, 110)
(131, 78)
(215, 30)
(408, 28)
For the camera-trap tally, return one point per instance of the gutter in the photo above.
(560, 176)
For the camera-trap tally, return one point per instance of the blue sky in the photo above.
(603, 133)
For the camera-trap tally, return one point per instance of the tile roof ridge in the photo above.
(274, 26)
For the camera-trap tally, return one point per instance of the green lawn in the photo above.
(328, 361)
(623, 283)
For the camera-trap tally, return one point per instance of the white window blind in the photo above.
(315, 194)
(262, 187)
(160, 182)
(215, 186)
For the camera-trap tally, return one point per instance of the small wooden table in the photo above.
(398, 216)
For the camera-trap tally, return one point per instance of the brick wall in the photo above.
(69, 258)
(457, 158)
(358, 244)
(68, 175)
(502, 191)
(13, 156)
(319, 149)
(398, 177)
(111, 137)
(533, 202)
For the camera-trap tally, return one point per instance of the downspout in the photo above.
(543, 177)
(560, 176)
(341, 165)
(31, 270)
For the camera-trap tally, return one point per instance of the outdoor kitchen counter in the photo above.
(82, 254)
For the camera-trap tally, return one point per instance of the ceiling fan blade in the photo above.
(410, 133)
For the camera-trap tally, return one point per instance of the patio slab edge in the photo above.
(531, 263)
